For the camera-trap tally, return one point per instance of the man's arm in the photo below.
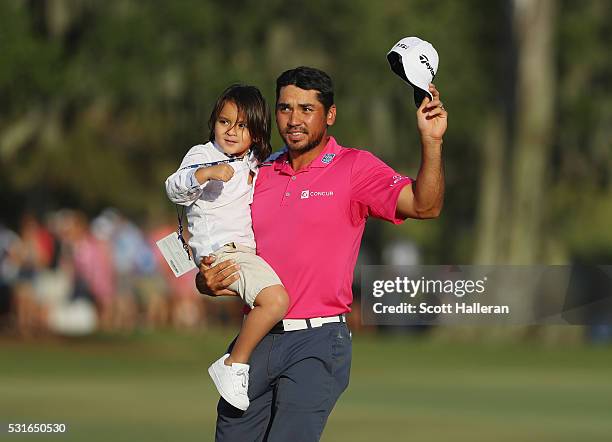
(424, 198)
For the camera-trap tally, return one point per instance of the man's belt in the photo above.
(287, 325)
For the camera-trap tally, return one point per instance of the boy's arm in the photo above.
(186, 185)
(182, 186)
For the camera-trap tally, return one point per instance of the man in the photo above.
(309, 212)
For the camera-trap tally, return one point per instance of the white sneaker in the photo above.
(232, 382)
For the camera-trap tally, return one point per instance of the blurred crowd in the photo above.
(67, 274)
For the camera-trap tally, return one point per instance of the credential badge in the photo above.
(327, 158)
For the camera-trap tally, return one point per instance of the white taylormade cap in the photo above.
(416, 62)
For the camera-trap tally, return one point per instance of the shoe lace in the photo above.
(243, 373)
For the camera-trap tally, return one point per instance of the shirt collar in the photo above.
(325, 158)
(218, 148)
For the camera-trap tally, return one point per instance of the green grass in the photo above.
(154, 387)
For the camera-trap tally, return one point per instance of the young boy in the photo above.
(215, 182)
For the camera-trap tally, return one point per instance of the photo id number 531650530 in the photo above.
(36, 428)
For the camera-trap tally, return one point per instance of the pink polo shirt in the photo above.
(308, 224)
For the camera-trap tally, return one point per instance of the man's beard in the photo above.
(311, 145)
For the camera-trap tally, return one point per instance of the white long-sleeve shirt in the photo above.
(217, 213)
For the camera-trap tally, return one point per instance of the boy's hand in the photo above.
(221, 172)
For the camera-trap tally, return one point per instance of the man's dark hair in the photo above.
(252, 106)
(308, 79)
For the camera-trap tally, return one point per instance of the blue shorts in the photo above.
(295, 380)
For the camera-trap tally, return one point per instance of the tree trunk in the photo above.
(492, 236)
(534, 28)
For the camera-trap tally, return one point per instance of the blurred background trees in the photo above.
(99, 101)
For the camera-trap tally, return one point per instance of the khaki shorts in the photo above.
(255, 273)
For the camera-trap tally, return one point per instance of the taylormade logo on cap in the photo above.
(425, 61)
(416, 62)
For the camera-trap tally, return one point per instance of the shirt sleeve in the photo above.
(182, 187)
(375, 188)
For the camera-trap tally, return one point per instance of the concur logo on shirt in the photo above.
(311, 193)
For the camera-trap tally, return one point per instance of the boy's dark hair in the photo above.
(308, 78)
(252, 105)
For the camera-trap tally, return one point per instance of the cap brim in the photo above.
(395, 61)
(419, 94)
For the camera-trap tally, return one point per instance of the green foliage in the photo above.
(99, 101)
